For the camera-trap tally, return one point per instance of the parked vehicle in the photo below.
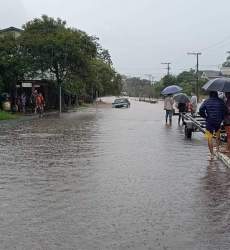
(121, 103)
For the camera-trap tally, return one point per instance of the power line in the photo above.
(222, 42)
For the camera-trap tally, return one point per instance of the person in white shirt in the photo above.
(193, 101)
(168, 107)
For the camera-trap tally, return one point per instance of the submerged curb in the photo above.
(224, 158)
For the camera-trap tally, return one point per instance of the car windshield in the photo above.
(120, 100)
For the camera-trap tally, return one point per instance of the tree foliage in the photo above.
(13, 65)
(137, 87)
(48, 49)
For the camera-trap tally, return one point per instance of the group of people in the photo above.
(21, 103)
(36, 100)
(183, 107)
(216, 111)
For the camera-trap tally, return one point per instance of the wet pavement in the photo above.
(110, 179)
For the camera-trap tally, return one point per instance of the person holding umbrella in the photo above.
(213, 110)
(222, 84)
(168, 101)
(168, 107)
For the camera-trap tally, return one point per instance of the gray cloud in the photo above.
(139, 34)
(12, 13)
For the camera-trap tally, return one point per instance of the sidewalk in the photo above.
(224, 157)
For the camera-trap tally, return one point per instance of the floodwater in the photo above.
(110, 179)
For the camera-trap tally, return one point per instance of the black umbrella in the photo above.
(181, 98)
(219, 84)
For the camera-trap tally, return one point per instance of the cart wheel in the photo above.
(188, 132)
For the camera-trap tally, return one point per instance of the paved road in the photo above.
(110, 179)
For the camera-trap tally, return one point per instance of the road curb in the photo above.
(224, 158)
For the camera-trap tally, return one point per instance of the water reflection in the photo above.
(215, 207)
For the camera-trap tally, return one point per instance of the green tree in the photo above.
(158, 87)
(134, 86)
(106, 78)
(168, 80)
(187, 80)
(13, 66)
(227, 62)
(47, 48)
(56, 50)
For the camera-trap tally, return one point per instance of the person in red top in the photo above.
(40, 103)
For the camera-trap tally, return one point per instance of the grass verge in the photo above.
(6, 116)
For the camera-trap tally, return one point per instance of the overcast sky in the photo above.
(140, 34)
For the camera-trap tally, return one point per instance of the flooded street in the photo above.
(110, 179)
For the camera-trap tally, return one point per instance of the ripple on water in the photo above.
(110, 179)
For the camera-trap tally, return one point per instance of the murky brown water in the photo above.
(110, 179)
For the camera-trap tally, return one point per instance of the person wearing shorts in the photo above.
(213, 110)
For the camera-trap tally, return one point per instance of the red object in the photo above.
(40, 100)
(189, 107)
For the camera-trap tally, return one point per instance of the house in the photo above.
(211, 74)
(44, 82)
(11, 30)
(225, 71)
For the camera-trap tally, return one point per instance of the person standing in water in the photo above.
(193, 102)
(40, 103)
(227, 120)
(168, 107)
(23, 103)
(182, 107)
(213, 110)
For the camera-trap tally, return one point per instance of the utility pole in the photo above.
(150, 76)
(60, 83)
(168, 67)
(60, 99)
(197, 54)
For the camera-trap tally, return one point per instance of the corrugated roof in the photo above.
(11, 29)
(212, 73)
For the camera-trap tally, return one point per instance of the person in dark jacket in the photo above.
(213, 110)
(227, 121)
(182, 107)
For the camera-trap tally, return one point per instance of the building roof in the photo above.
(225, 71)
(10, 29)
(210, 74)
